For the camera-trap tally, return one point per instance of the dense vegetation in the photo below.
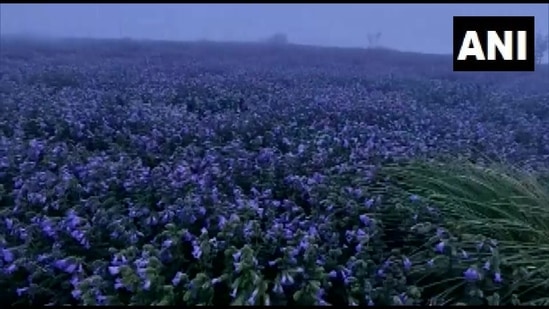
(225, 173)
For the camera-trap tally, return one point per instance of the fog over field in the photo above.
(411, 27)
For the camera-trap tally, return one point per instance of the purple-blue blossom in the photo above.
(7, 255)
(177, 278)
(471, 274)
(439, 248)
(365, 219)
(114, 270)
(497, 277)
(407, 263)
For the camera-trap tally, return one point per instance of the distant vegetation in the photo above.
(278, 39)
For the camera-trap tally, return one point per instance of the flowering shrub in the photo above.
(183, 175)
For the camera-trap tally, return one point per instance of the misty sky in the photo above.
(412, 27)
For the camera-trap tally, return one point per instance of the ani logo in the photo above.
(494, 43)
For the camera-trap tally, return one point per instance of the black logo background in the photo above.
(482, 24)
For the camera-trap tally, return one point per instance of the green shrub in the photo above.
(497, 224)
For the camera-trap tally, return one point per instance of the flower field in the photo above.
(159, 173)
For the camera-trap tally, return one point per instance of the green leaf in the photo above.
(493, 300)
(315, 284)
(297, 295)
(187, 296)
(397, 301)
(515, 301)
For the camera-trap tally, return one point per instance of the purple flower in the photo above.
(11, 269)
(36, 198)
(72, 219)
(9, 223)
(294, 252)
(42, 257)
(65, 266)
(76, 293)
(21, 291)
(303, 244)
(497, 277)
(118, 283)
(349, 235)
(177, 278)
(141, 263)
(75, 281)
(77, 234)
(407, 263)
(151, 220)
(71, 267)
(235, 291)
(333, 274)
(8, 255)
(361, 234)
(197, 252)
(287, 279)
(167, 243)
(222, 221)
(440, 232)
(47, 228)
(187, 236)
(100, 299)
(313, 231)
(252, 299)
(471, 274)
(60, 264)
(236, 256)
(288, 234)
(147, 285)
(365, 219)
(277, 288)
(22, 233)
(486, 265)
(114, 270)
(414, 198)
(440, 247)
(403, 298)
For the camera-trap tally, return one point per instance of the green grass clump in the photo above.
(492, 214)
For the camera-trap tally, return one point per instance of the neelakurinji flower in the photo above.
(21, 291)
(66, 265)
(407, 263)
(439, 248)
(365, 219)
(471, 274)
(114, 270)
(7, 255)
